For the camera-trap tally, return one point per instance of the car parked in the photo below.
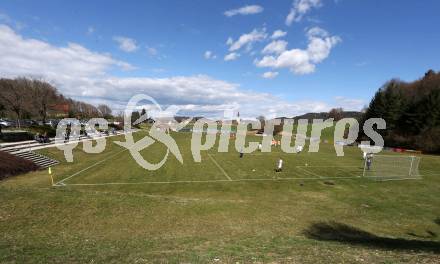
(28, 122)
(5, 123)
(52, 122)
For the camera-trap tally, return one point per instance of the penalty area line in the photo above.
(220, 167)
(207, 181)
(308, 172)
(61, 183)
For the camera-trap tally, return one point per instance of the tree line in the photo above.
(25, 98)
(411, 111)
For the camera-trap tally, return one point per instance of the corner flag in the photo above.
(50, 174)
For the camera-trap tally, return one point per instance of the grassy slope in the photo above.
(238, 221)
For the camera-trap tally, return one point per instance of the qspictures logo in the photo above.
(205, 133)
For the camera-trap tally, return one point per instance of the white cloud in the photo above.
(320, 44)
(247, 39)
(126, 44)
(4, 18)
(276, 46)
(245, 10)
(90, 30)
(152, 51)
(278, 34)
(316, 32)
(349, 103)
(270, 75)
(209, 55)
(299, 9)
(301, 61)
(21, 56)
(231, 56)
(87, 75)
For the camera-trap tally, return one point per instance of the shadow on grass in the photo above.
(333, 231)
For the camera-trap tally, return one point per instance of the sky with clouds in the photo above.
(272, 58)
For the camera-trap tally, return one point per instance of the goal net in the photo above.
(392, 167)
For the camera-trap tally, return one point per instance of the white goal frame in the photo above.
(392, 167)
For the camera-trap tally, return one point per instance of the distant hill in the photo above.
(326, 115)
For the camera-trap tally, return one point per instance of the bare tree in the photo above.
(13, 93)
(262, 120)
(2, 107)
(105, 110)
(119, 117)
(81, 110)
(336, 114)
(44, 95)
(24, 97)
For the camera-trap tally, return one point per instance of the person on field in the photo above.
(67, 134)
(279, 166)
(260, 146)
(369, 161)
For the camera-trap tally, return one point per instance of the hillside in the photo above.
(326, 115)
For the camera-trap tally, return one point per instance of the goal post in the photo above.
(392, 167)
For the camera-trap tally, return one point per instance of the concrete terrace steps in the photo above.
(24, 149)
(12, 144)
(23, 146)
(40, 160)
(30, 145)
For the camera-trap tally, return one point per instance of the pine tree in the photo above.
(431, 109)
(392, 105)
(134, 117)
(411, 112)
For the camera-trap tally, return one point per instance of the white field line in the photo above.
(323, 166)
(395, 179)
(229, 179)
(429, 172)
(205, 181)
(251, 154)
(308, 172)
(89, 167)
(220, 167)
(301, 173)
(424, 175)
(341, 169)
(332, 161)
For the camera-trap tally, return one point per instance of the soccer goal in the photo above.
(392, 167)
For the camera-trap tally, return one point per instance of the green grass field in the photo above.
(223, 210)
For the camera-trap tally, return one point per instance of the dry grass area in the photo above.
(304, 220)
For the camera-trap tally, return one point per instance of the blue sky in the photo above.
(333, 53)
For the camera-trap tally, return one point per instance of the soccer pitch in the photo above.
(225, 209)
(117, 167)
